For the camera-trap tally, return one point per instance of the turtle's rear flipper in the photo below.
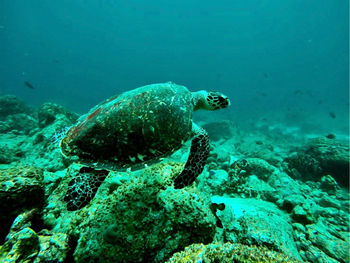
(199, 152)
(83, 187)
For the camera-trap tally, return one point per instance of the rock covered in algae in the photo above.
(228, 253)
(21, 188)
(53, 247)
(23, 244)
(22, 247)
(256, 222)
(134, 217)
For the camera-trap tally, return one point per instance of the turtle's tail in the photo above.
(83, 187)
(199, 152)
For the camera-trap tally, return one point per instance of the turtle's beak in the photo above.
(226, 102)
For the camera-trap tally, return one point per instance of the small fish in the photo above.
(331, 136)
(266, 76)
(30, 86)
(332, 115)
(298, 92)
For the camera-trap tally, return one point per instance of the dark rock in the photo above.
(7, 155)
(21, 188)
(291, 201)
(302, 216)
(320, 157)
(329, 184)
(303, 166)
(333, 157)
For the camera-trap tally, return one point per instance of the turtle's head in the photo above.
(210, 100)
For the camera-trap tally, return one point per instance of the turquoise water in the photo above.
(272, 186)
(290, 56)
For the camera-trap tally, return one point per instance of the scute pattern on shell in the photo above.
(136, 127)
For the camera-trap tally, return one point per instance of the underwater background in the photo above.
(267, 56)
(275, 187)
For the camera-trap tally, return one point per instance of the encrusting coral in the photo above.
(134, 217)
(228, 253)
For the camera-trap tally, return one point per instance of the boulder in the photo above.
(21, 188)
(256, 222)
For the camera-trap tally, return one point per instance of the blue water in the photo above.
(287, 57)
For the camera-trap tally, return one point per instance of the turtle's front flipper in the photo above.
(83, 187)
(200, 148)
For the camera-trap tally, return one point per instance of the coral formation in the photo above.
(228, 252)
(261, 197)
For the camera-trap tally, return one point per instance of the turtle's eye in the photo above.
(217, 100)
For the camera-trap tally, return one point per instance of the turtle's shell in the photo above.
(135, 127)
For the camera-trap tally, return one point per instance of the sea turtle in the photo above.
(135, 128)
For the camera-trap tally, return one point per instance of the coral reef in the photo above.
(228, 252)
(261, 198)
(305, 204)
(143, 219)
(23, 244)
(34, 140)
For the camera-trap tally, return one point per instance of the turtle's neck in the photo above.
(199, 100)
